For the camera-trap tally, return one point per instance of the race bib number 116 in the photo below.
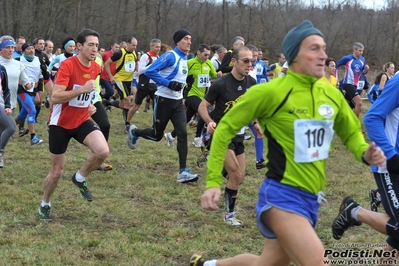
(83, 100)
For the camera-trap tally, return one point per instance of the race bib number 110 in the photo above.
(312, 139)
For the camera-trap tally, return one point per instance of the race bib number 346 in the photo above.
(312, 139)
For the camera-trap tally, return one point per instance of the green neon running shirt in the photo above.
(202, 72)
(298, 115)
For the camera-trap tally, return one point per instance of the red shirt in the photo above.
(73, 74)
(106, 55)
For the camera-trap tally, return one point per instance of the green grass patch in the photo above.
(140, 214)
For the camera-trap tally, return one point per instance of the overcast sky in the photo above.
(377, 4)
(374, 3)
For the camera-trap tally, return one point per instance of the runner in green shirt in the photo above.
(298, 115)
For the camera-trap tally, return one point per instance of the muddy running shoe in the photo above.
(44, 213)
(22, 132)
(231, 219)
(84, 190)
(260, 164)
(344, 219)
(185, 176)
(196, 260)
(36, 140)
(375, 199)
(169, 139)
(197, 142)
(132, 137)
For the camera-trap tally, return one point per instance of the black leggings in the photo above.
(101, 118)
(192, 104)
(164, 110)
(388, 186)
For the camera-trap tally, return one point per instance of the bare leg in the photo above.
(31, 128)
(132, 112)
(292, 238)
(376, 220)
(272, 254)
(98, 152)
(51, 180)
(235, 167)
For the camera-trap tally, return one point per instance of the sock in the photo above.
(124, 114)
(210, 263)
(45, 203)
(32, 136)
(79, 177)
(37, 111)
(230, 196)
(354, 212)
(378, 195)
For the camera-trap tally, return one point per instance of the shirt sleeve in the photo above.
(117, 55)
(144, 60)
(216, 89)
(53, 62)
(166, 60)
(64, 73)
(377, 122)
(224, 66)
(6, 90)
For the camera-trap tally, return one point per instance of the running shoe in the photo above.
(106, 103)
(186, 176)
(193, 124)
(375, 199)
(22, 132)
(196, 260)
(1, 159)
(247, 137)
(169, 139)
(132, 137)
(260, 164)
(47, 103)
(36, 140)
(344, 219)
(84, 190)
(44, 213)
(104, 167)
(197, 142)
(231, 219)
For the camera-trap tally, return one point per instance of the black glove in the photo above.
(175, 86)
(190, 80)
(43, 68)
(393, 164)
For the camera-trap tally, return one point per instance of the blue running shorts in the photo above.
(287, 198)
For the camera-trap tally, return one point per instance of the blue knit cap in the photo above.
(294, 38)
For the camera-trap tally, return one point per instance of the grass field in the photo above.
(140, 214)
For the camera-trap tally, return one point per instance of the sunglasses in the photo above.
(245, 60)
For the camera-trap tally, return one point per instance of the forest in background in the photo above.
(263, 23)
